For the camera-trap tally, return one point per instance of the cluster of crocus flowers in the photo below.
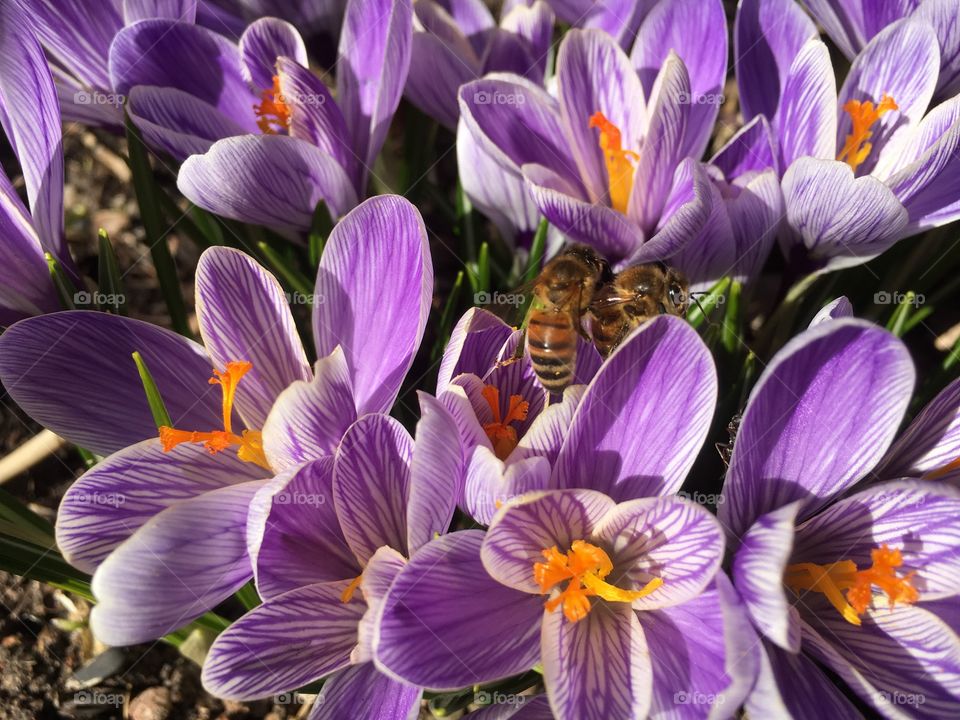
(161, 521)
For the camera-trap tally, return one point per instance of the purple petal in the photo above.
(594, 74)
(768, 35)
(315, 115)
(373, 294)
(756, 215)
(533, 26)
(373, 59)
(683, 216)
(544, 437)
(362, 691)
(599, 667)
(517, 122)
(821, 416)
(375, 583)
(474, 346)
(182, 10)
(844, 22)
(436, 631)
(942, 15)
(107, 504)
(25, 287)
(807, 116)
(793, 685)
(490, 483)
(616, 443)
(712, 254)
(436, 474)
(31, 122)
(524, 528)
(697, 32)
(610, 232)
(286, 642)
(921, 519)
(177, 123)
(140, 55)
(928, 176)
(897, 657)
(671, 538)
(372, 483)
(758, 569)
(293, 534)
(839, 308)
(272, 180)
(931, 442)
(262, 44)
(706, 654)
(60, 368)
(663, 145)
(179, 564)
(903, 61)
(244, 316)
(439, 65)
(819, 195)
(78, 34)
(752, 148)
(309, 418)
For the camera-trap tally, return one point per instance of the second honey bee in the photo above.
(635, 295)
(562, 294)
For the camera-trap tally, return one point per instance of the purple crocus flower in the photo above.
(162, 522)
(621, 603)
(78, 35)
(30, 116)
(278, 179)
(874, 147)
(609, 161)
(326, 541)
(456, 41)
(852, 24)
(514, 443)
(864, 583)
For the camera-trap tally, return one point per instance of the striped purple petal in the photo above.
(642, 420)
(362, 691)
(286, 642)
(179, 564)
(474, 346)
(262, 44)
(807, 114)
(436, 628)
(490, 482)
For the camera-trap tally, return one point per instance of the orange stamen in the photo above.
(940, 472)
(273, 113)
(832, 580)
(347, 594)
(503, 436)
(249, 443)
(863, 115)
(620, 162)
(583, 568)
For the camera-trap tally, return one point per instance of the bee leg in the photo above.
(518, 352)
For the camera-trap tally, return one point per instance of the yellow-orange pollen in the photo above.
(273, 114)
(249, 444)
(832, 580)
(347, 594)
(583, 568)
(503, 436)
(863, 115)
(620, 162)
(940, 472)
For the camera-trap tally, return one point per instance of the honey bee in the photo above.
(635, 295)
(562, 293)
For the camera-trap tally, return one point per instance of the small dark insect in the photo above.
(636, 294)
(726, 449)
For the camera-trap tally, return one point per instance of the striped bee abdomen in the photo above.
(552, 344)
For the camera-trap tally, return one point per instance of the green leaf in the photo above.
(285, 269)
(248, 597)
(112, 297)
(732, 330)
(160, 415)
(537, 249)
(21, 522)
(66, 291)
(321, 225)
(446, 318)
(148, 194)
(705, 304)
(898, 319)
(465, 229)
(953, 357)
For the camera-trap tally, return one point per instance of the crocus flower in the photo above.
(30, 115)
(604, 162)
(617, 601)
(852, 24)
(875, 147)
(326, 541)
(329, 148)
(863, 583)
(162, 521)
(78, 36)
(458, 40)
(514, 443)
